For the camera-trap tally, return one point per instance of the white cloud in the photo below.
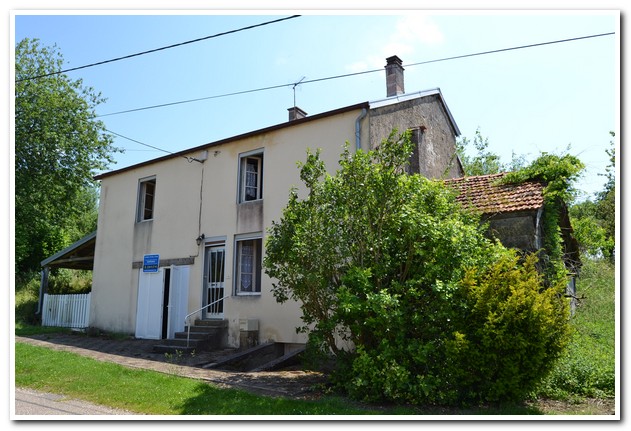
(411, 31)
(417, 28)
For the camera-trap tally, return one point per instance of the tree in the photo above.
(484, 162)
(385, 267)
(606, 199)
(59, 145)
(594, 221)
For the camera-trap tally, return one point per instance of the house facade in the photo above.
(182, 237)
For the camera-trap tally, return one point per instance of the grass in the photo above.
(588, 367)
(153, 393)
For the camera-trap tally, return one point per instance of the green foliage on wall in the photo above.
(558, 174)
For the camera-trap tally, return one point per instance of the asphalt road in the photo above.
(34, 403)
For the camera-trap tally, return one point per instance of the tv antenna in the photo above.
(294, 88)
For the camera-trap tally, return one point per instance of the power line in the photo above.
(189, 159)
(511, 49)
(196, 100)
(354, 74)
(160, 49)
(138, 142)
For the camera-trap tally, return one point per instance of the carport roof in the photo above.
(79, 255)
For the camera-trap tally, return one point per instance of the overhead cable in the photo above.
(189, 159)
(159, 49)
(352, 74)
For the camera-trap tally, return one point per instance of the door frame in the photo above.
(210, 293)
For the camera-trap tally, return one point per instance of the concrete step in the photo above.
(214, 323)
(204, 335)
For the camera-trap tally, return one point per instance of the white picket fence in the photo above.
(66, 311)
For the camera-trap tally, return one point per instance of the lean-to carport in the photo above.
(79, 255)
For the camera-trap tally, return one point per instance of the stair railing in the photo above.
(188, 327)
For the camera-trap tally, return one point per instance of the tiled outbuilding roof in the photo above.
(486, 195)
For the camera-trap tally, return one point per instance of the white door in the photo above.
(150, 302)
(214, 278)
(178, 299)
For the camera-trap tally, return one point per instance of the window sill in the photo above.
(248, 293)
(256, 201)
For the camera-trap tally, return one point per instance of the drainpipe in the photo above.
(538, 239)
(358, 141)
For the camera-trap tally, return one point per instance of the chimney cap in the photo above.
(295, 113)
(394, 60)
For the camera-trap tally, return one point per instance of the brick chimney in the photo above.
(295, 113)
(394, 76)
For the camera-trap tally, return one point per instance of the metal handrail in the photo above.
(188, 327)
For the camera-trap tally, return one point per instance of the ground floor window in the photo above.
(248, 266)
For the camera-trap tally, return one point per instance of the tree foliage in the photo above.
(558, 173)
(594, 221)
(397, 281)
(58, 147)
(483, 161)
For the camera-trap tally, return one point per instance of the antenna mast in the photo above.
(294, 88)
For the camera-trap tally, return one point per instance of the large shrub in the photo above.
(400, 284)
(511, 331)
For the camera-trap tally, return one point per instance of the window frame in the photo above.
(141, 209)
(244, 158)
(257, 261)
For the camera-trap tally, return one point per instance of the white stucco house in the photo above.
(184, 234)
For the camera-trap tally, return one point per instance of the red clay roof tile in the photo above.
(484, 194)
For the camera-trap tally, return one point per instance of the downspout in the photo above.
(538, 241)
(358, 139)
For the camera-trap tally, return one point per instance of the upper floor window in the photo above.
(251, 176)
(146, 199)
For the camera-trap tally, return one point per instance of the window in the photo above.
(146, 198)
(251, 177)
(248, 266)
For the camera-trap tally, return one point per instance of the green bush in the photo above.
(494, 341)
(68, 281)
(511, 333)
(26, 298)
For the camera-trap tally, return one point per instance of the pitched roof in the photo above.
(486, 195)
(363, 105)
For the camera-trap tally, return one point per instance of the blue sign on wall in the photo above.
(151, 263)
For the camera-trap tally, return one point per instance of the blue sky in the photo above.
(525, 101)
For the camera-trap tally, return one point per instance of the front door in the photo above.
(162, 302)
(150, 304)
(214, 282)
